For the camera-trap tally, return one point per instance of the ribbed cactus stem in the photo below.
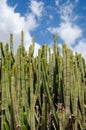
(44, 113)
(16, 118)
(3, 99)
(48, 93)
(11, 43)
(22, 38)
(32, 98)
(42, 92)
(1, 50)
(55, 43)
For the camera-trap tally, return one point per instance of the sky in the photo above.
(43, 18)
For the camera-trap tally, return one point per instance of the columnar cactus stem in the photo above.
(32, 98)
(44, 113)
(3, 99)
(16, 118)
(11, 43)
(42, 92)
(22, 38)
(48, 93)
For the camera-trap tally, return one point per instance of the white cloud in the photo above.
(81, 47)
(11, 22)
(76, 1)
(37, 46)
(57, 2)
(67, 30)
(37, 8)
(66, 11)
(50, 16)
(68, 33)
(52, 29)
(30, 22)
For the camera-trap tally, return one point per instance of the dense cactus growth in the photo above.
(46, 92)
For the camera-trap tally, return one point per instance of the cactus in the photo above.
(11, 43)
(43, 92)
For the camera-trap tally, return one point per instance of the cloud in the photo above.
(51, 17)
(36, 8)
(30, 22)
(67, 32)
(57, 2)
(37, 46)
(11, 22)
(66, 11)
(81, 47)
(76, 1)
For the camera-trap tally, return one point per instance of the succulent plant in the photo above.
(44, 92)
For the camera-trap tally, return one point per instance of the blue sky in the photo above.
(42, 18)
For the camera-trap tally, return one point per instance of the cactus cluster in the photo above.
(44, 92)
